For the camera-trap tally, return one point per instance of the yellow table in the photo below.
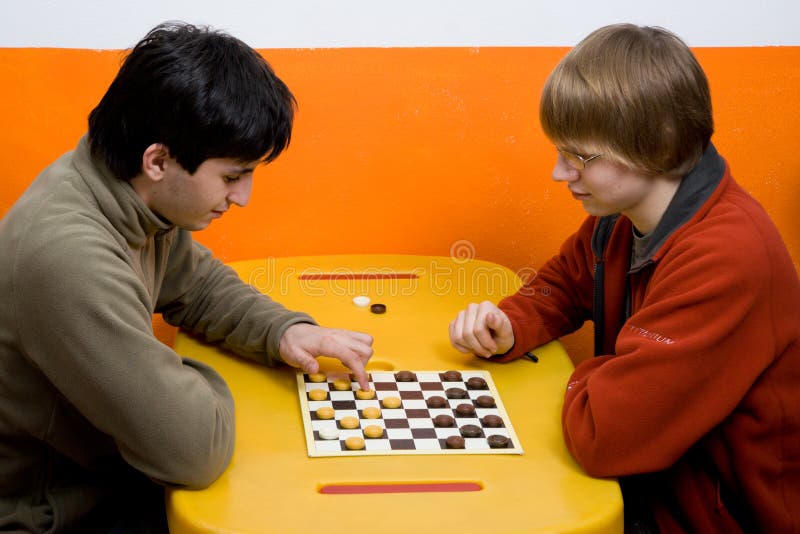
(273, 486)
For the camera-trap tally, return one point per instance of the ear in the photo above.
(154, 159)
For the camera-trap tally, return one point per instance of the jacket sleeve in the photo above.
(83, 318)
(205, 296)
(557, 300)
(685, 359)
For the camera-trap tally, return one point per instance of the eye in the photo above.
(231, 179)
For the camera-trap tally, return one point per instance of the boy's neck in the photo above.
(647, 214)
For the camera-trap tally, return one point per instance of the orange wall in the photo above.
(410, 150)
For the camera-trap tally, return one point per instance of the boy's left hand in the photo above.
(302, 343)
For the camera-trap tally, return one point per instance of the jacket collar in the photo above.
(116, 199)
(693, 192)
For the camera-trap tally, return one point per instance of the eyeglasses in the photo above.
(576, 161)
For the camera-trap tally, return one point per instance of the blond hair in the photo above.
(636, 94)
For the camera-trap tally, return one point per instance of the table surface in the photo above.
(272, 485)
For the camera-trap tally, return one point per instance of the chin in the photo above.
(598, 211)
(194, 227)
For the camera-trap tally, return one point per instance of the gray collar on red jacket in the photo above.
(695, 189)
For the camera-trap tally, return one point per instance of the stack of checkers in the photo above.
(405, 412)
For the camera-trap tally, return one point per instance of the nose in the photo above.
(239, 192)
(564, 172)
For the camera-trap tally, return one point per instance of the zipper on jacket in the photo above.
(600, 238)
(598, 315)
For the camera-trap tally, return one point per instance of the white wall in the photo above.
(101, 24)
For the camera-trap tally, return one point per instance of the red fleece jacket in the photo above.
(695, 401)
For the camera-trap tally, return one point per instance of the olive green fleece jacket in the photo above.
(86, 390)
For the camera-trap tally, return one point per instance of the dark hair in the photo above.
(202, 93)
(636, 94)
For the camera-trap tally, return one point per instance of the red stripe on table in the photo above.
(359, 276)
(351, 489)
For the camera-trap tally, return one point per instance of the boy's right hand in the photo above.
(482, 329)
(302, 343)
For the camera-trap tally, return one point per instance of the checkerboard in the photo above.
(409, 429)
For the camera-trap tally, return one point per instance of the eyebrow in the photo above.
(241, 170)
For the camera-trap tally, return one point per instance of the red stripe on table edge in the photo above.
(351, 489)
(360, 276)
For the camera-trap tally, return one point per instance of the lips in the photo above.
(579, 196)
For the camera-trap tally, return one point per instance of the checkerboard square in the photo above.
(396, 423)
(398, 433)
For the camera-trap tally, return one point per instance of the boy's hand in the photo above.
(482, 329)
(302, 343)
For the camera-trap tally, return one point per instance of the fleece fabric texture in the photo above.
(91, 403)
(694, 400)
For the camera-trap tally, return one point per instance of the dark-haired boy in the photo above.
(96, 415)
(693, 398)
